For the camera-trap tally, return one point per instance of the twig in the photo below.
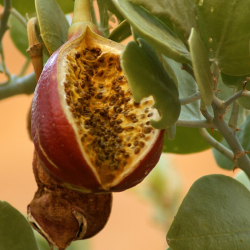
(18, 85)
(233, 121)
(194, 124)
(104, 18)
(221, 148)
(240, 155)
(191, 98)
(21, 19)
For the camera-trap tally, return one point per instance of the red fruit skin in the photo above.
(53, 134)
(56, 144)
(144, 167)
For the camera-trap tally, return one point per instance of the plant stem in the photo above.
(221, 148)
(194, 124)
(81, 11)
(240, 155)
(233, 121)
(15, 13)
(191, 98)
(18, 85)
(104, 18)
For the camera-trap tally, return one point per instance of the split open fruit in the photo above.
(88, 131)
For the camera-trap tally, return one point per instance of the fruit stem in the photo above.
(81, 11)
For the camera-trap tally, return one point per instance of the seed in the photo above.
(127, 99)
(124, 163)
(146, 110)
(150, 114)
(101, 59)
(129, 144)
(136, 143)
(100, 73)
(148, 123)
(121, 92)
(111, 103)
(147, 130)
(136, 103)
(129, 128)
(117, 88)
(118, 139)
(118, 110)
(101, 86)
(141, 135)
(118, 129)
(141, 144)
(77, 55)
(137, 150)
(119, 121)
(135, 120)
(112, 123)
(126, 155)
(120, 78)
(66, 84)
(118, 67)
(99, 96)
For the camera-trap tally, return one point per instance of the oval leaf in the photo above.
(224, 28)
(201, 67)
(15, 231)
(27, 6)
(146, 76)
(153, 31)
(181, 12)
(53, 24)
(214, 215)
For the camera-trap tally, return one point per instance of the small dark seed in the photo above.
(112, 123)
(147, 130)
(137, 150)
(114, 82)
(141, 135)
(101, 59)
(120, 78)
(141, 144)
(148, 123)
(135, 120)
(99, 96)
(77, 55)
(100, 73)
(129, 144)
(119, 121)
(150, 114)
(101, 86)
(118, 129)
(126, 155)
(136, 143)
(127, 99)
(121, 92)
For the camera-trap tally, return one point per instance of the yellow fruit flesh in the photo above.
(113, 128)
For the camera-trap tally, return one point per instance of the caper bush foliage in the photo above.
(193, 57)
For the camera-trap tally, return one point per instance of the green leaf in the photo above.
(146, 76)
(188, 141)
(243, 178)
(201, 67)
(181, 12)
(153, 31)
(18, 34)
(214, 215)
(224, 29)
(121, 32)
(27, 6)
(15, 231)
(53, 24)
(232, 81)
(187, 86)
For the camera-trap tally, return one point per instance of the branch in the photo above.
(240, 155)
(21, 19)
(189, 69)
(18, 85)
(4, 18)
(191, 98)
(221, 148)
(194, 124)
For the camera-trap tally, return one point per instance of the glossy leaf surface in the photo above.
(146, 76)
(181, 12)
(53, 24)
(214, 215)
(18, 34)
(27, 6)
(201, 67)
(153, 31)
(15, 231)
(224, 29)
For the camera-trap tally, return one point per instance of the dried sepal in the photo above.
(62, 215)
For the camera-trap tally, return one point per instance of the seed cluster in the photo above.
(112, 126)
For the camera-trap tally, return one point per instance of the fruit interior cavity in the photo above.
(113, 128)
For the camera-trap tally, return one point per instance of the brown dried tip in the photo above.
(62, 215)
